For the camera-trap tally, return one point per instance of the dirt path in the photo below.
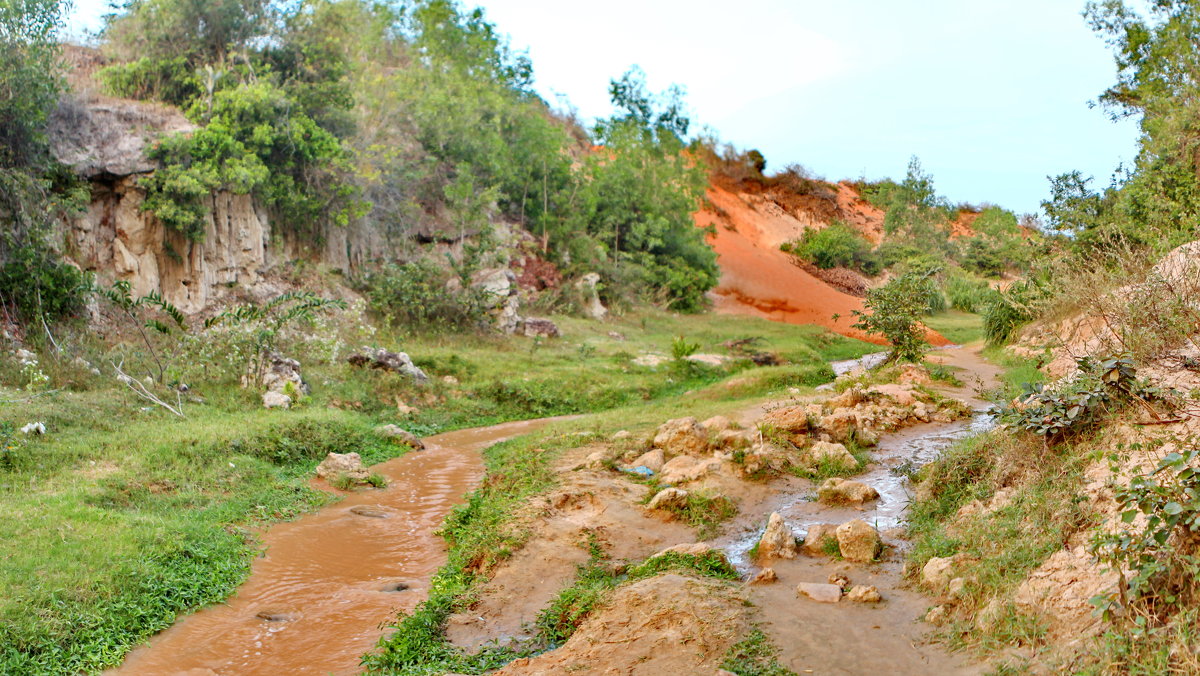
(316, 601)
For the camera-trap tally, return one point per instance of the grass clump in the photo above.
(755, 656)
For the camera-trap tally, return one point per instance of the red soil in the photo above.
(760, 280)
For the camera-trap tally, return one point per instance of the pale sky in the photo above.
(992, 96)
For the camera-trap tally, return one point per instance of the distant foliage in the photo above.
(1012, 308)
(837, 245)
(29, 79)
(969, 295)
(423, 295)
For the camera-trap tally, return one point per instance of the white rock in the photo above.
(34, 428)
(276, 400)
(820, 592)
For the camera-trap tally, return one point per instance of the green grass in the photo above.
(1008, 544)
(755, 656)
(960, 328)
(1017, 371)
(119, 520)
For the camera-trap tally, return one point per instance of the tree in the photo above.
(29, 77)
(894, 312)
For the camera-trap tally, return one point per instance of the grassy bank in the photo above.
(123, 516)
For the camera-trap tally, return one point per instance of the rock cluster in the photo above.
(385, 360)
(282, 380)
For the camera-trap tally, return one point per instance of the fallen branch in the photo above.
(138, 388)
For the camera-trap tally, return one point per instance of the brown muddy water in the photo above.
(328, 582)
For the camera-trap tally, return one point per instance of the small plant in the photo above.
(681, 349)
(377, 481)
(755, 656)
(1077, 405)
(1160, 547)
(268, 321)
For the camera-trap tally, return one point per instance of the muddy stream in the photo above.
(317, 599)
(329, 581)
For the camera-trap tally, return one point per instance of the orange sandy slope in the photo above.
(758, 279)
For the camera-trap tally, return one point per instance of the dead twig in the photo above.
(138, 388)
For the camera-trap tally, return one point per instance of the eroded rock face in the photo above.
(119, 241)
(681, 436)
(778, 541)
(500, 284)
(858, 541)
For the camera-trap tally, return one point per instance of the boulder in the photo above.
(787, 419)
(937, 616)
(820, 592)
(272, 399)
(818, 534)
(500, 285)
(281, 376)
(588, 289)
(777, 541)
(401, 435)
(825, 451)
(343, 464)
(858, 541)
(685, 468)
(385, 360)
(533, 327)
(681, 436)
(836, 491)
(841, 425)
(651, 460)
(735, 439)
(765, 457)
(937, 572)
(863, 594)
(717, 423)
(669, 499)
(850, 398)
(764, 576)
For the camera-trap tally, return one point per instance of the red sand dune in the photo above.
(760, 280)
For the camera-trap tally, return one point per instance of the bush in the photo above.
(968, 294)
(422, 295)
(1011, 309)
(837, 245)
(894, 313)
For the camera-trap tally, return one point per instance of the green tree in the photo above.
(894, 312)
(29, 77)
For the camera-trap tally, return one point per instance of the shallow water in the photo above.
(892, 461)
(327, 584)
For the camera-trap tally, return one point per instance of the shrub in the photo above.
(968, 294)
(837, 245)
(894, 313)
(1010, 309)
(423, 295)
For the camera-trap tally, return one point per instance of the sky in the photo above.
(991, 96)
